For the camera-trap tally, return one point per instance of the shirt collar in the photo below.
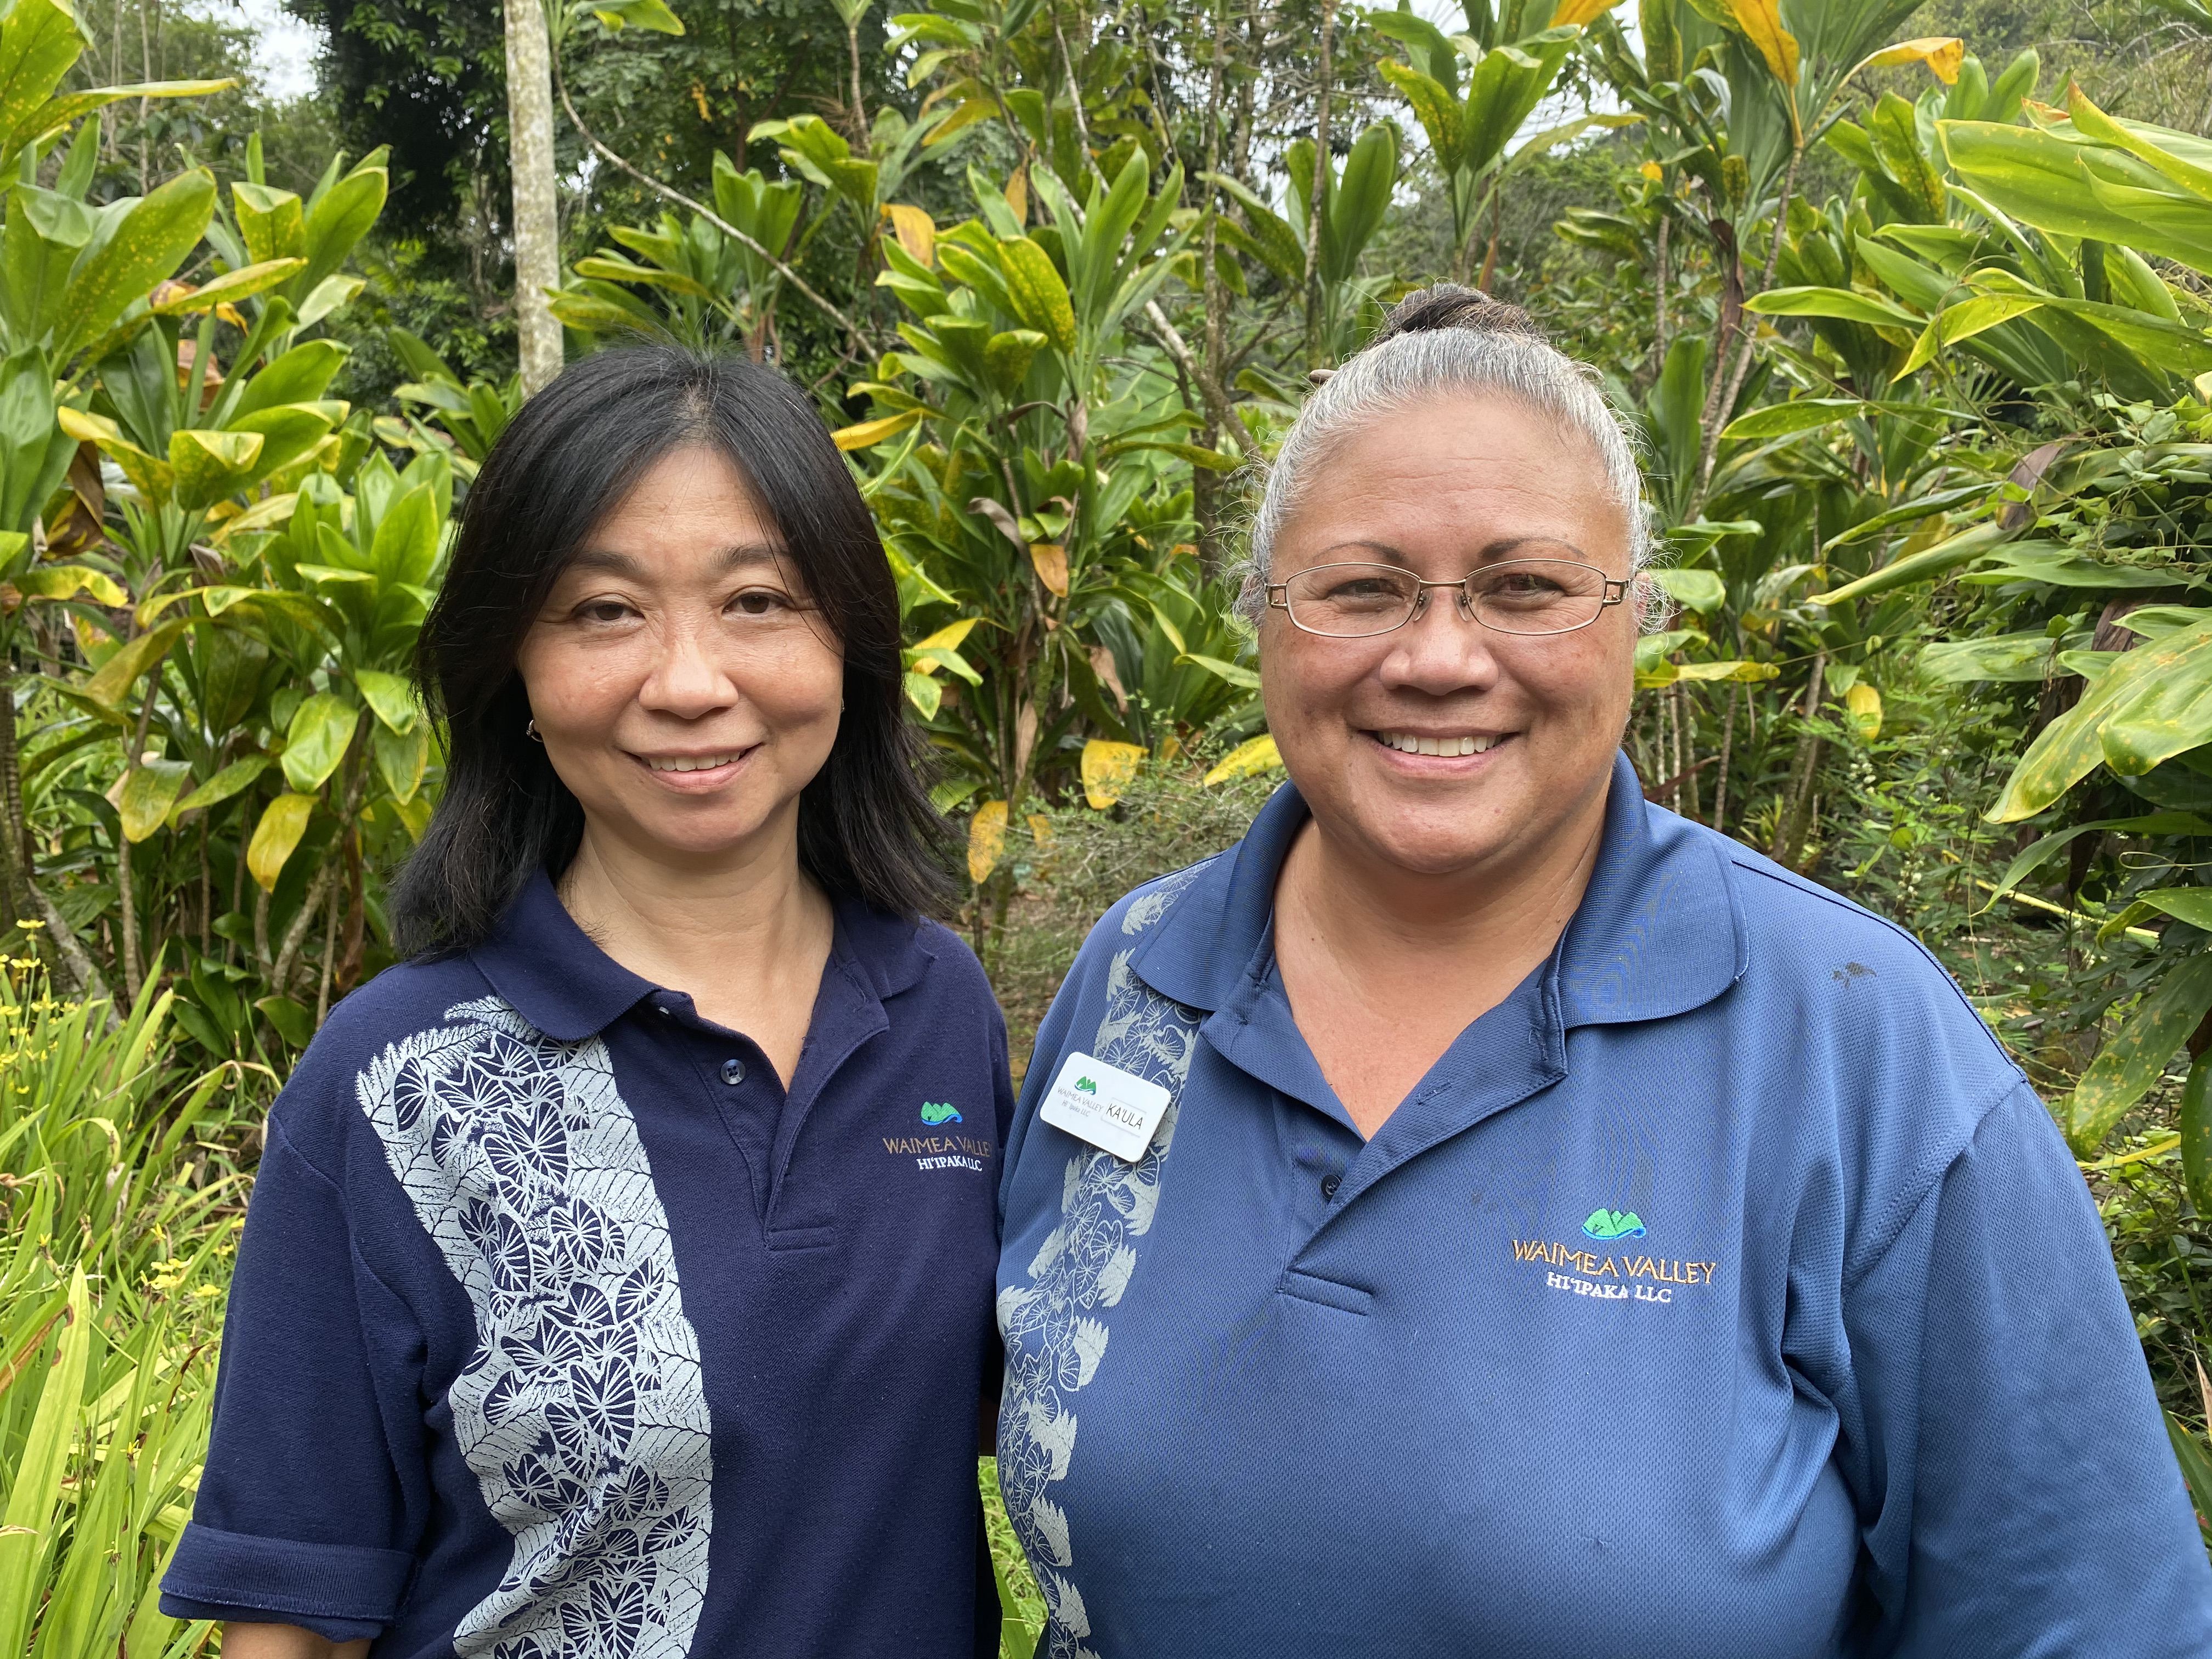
(1659, 930)
(553, 975)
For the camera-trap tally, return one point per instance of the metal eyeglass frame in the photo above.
(1279, 598)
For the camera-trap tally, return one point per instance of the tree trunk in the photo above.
(1320, 192)
(536, 219)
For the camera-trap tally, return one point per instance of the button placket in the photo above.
(733, 1071)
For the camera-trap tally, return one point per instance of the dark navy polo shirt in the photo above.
(559, 1327)
(1723, 1291)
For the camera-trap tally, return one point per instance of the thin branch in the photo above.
(561, 86)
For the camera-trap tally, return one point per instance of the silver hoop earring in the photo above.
(530, 731)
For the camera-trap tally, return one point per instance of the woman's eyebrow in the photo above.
(737, 556)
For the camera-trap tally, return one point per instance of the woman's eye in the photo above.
(604, 610)
(760, 602)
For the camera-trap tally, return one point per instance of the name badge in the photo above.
(1105, 1106)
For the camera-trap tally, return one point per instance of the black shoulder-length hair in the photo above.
(866, 828)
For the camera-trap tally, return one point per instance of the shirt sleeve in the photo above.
(2017, 1489)
(300, 1517)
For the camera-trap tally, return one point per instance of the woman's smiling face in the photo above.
(1442, 490)
(684, 691)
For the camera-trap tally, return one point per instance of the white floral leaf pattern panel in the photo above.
(581, 1411)
(1056, 1338)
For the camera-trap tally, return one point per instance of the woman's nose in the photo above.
(685, 679)
(1443, 649)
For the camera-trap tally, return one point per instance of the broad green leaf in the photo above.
(1844, 304)
(1780, 420)
(392, 696)
(2156, 622)
(2047, 562)
(925, 694)
(1236, 674)
(2151, 823)
(1962, 322)
(338, 220)
(2162, 690)
(210, 465)
(401, 757)
(652, 15)
(283, 821)
(300, 376)
(407, 545)
(1437, 110)
(2004, 657)
(150, 790)
(2132, 1059)
(1924, 566)
(1702, 590)
(151, 242)
(320, 733)
(272, 222)
(290, 1017)
(331, 294)
(232, 780)
(1007, 359)
(112, 682)
(230, 288)
(37, 44)
(1040, 297)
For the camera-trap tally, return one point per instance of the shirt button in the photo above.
(1328, 1185)
(733, 1071)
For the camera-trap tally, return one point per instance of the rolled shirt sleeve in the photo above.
(2001, 1429)
(303, 1511)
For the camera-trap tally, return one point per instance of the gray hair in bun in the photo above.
(1444, 341)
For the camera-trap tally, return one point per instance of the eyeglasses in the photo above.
(1514, 596)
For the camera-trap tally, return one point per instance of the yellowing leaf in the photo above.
(1943, 54)
(975, 110)
(1761, 22)
(1576, 13)
(240, 284)
(948, 637)
(870, 433)
(1652, 171)
(1106, 769)
(1247, 760)
(1051, 561)
(149, 789)
(987, 839)
(121, 672)
(283, 821)
(63, 581)
(915, 230)
(1864, 704)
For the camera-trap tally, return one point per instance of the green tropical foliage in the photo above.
(1919, 347)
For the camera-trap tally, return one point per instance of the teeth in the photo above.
(1408, 744)
(690, 763)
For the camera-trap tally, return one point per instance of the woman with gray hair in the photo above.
(1481, 1212)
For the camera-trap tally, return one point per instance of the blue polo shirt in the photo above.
(561, 1327)
(1724, 1291)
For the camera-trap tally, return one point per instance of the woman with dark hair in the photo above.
(618, 1277)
